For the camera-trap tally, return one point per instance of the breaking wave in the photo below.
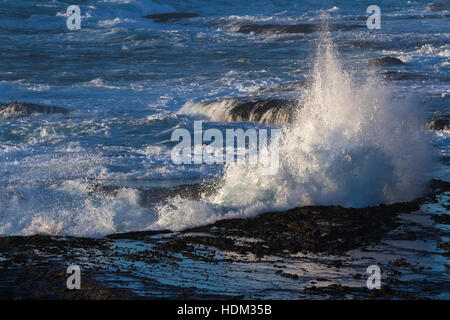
(70, 208)
(353, 143)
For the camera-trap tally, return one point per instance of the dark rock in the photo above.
(287, 275)
(444, 245)
(339, 287)
(401, 76)
(394, 273)
(387, 292)
(385, 61)
(439, 6)
(45, 284)
(268, 111)
(19, 109)
(137, 235)
(331, 229)
(171, 16)
(393, 281)
(439, 124)
(274, 111)
(442, 218)
(438, 186)
(401, 262)
(289, 29)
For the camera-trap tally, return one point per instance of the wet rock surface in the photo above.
(308, 252)
(171, 16)
(401, 76)
(385, 62)
(32, 268)
(439, 124)
(263, 110)
(266, 111)
(288, 29)
(439, 6)
(20, 109)
(330, 229)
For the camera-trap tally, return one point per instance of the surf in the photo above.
(353, 142)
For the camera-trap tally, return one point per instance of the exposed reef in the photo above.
(289, 28)
(14, 110)
(171, 16)
(268, 111)
(312, 252)
(385, 61)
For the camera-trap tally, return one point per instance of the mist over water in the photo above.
(354, 143)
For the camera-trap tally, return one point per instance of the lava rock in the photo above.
(171, 16)
(385, 62)
(438, 124)
(289, 28)
(20, 109)
(439, 6)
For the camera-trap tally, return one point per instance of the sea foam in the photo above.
(70, 208)
(354, 143)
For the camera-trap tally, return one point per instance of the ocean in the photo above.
(357, 136)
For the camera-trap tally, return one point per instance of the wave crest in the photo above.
(353, 143)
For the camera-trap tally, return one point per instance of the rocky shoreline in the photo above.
(316, 252)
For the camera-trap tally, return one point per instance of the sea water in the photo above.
(358, 138)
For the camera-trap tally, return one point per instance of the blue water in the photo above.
(126, 78)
